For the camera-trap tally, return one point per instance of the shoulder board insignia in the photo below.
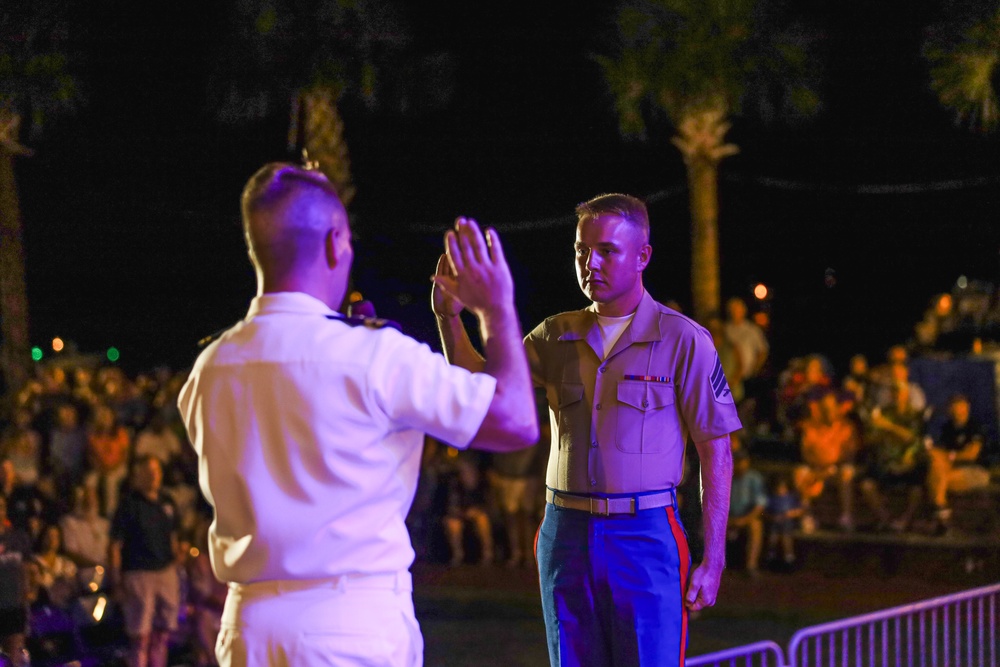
(366, 322)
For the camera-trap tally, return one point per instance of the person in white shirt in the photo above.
(308, 430)
(748, 338)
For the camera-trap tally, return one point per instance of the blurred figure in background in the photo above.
(467, 506)
(828, 443)
(86, 536)
(747, 501)
(516, 478)
(783, 512)
(894, 457)
(142, 559)
(109, 445)
(953, 460)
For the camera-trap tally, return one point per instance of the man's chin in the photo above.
(595, 293)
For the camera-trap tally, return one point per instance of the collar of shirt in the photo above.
(644, 328)
(288, 302)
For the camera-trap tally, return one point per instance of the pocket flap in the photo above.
(645, 395)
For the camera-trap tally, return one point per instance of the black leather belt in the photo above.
(608, 506)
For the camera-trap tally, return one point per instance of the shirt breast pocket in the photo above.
(647, 419)
(572, 416)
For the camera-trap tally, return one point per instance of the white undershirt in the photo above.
(612, 329)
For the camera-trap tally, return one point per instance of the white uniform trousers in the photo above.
(345, 621)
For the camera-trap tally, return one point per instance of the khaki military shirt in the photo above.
(619, 425)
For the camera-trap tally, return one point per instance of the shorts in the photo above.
(151, 600)
(515, 494)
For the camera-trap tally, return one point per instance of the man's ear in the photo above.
(330, 248)
(645, 253)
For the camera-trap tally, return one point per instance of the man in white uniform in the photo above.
(309, 428)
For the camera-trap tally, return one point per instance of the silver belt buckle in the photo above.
(607, 506)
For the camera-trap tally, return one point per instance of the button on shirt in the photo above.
(620, 425)
(309, 433)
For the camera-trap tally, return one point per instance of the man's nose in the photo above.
(593, 261)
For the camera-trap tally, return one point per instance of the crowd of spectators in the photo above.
(74, 577)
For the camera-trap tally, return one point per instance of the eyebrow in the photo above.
(602, 244)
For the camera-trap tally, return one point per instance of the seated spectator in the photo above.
(57, 573)
(85, 536)
(828, 442)
(467, 505)
(894, 458)
(803, 378)
(516, 478)
(782, 513)
(158, 440)
(953, 460)
(109, 445)
(747, 500)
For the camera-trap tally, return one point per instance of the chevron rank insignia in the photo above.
(720, 387)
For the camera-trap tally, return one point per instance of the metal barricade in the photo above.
(761, 654)
(957, 630)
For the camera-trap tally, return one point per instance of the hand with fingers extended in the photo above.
(479, 276)
(444, 304)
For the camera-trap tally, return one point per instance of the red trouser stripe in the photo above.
(684, 558)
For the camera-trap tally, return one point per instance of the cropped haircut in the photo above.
(626, 207)
(274, 184)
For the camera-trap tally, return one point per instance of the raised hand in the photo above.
(444, 303)
(480, 278)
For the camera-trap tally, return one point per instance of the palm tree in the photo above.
(305, 56)
(699, 63)
(35, 84)
(964, 54)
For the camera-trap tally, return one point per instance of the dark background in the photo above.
(131, 205)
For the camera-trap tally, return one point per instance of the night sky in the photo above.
(131, 205)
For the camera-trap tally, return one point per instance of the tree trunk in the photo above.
(317, 127)
(703, 184)
(15, 353)
(701, 140)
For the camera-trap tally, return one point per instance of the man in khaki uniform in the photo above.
(627, 381)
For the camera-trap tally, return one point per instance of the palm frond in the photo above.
(965, 69)
(704, 56)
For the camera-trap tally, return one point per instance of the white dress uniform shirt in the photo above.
(309, 434)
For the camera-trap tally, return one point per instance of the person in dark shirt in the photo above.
(143, 564)
(953, 459)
